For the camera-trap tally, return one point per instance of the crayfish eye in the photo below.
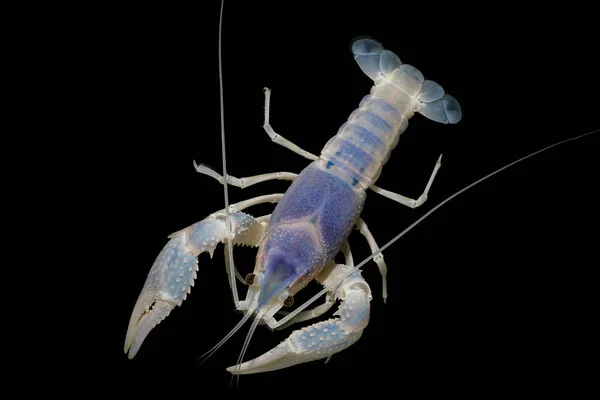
(249, 279)
(289, 301)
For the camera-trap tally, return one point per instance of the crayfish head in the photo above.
(267, 296)
(279, 277)
(287, 261)
(274, 288)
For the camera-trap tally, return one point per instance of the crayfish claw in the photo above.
(320, 340)
(172, 275)
(143, 320)
(168, 283)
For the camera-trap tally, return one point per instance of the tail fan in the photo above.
(432, 102)
(373, 59)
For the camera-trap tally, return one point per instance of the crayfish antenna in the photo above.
(216, 347)
(232, 281)
(245, 348)
(461, 191)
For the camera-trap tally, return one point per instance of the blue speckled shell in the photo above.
(306, 230)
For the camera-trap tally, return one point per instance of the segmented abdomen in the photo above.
(363, 144)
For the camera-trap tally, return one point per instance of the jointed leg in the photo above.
(245, 182)
(310, 314)
(242, 205)
(275, 137)
(406, 200)
(280, 140)
(362, 227)
(228, 267)
(262, 221)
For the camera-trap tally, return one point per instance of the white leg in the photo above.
(242, 205)
(310, 314)
(245, 182)
(280, 140)
(362, 227)
(237, 207)
(348, 254)
(406, 200)
(228, 269)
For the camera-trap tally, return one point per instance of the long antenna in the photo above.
(418, 221)
(224, 157)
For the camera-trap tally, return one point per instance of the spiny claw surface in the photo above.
(317, 341)
(320, 340)
(167, 285)
(172, 275)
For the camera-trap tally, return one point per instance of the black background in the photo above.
(489, 293)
